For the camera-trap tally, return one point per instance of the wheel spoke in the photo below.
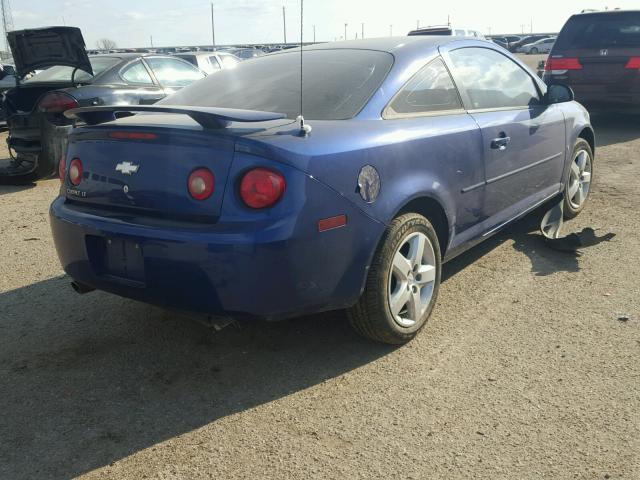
(575, 186)
(416, 250)
(401, 266)
(425, 274)
(399, 299)
(575, 171)
(580, 195)
(581, 160)
(414, 306)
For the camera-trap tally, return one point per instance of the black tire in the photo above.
(534, 51)
(371, 317)
(570, 209)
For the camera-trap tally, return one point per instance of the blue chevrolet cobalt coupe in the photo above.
(220, 199)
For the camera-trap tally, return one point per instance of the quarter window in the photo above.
(215, 65)
(492, 80)
(430, 90)
(172, 72)
(137, 73)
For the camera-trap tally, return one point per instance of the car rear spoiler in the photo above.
(209, 118)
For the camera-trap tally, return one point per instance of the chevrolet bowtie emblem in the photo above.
(127, 168)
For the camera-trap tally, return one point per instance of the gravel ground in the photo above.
(524, 371)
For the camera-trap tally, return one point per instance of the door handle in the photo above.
(501, 142)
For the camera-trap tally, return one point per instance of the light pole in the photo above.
(213, 30)
(345, 31)
(314, 34)
(284, 25)
(362, 32)
(391, 30)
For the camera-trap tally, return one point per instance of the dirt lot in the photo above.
(524, 371)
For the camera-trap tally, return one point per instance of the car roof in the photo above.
(606, 12)
(399, 47)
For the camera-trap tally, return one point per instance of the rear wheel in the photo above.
(534, 51)
(402, 284)
(578, 184)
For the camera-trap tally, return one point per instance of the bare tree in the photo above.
(106, 44)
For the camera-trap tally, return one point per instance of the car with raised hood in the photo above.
(243, 195)
(598, 55)
(35, 107)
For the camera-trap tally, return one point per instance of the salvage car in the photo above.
(243, 195)
(34, 108)
(598, 55)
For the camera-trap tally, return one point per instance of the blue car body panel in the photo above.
(221, 257)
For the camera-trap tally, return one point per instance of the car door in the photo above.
(523, 139)
(143, 87)
(445, 145)
(173, 73)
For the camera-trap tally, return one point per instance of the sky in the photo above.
(132, 23)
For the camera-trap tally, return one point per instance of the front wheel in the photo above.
(580, 175)
(402, 284)
(534, 51)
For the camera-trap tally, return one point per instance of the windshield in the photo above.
(61, 73)
(601, 31)
(336, 84)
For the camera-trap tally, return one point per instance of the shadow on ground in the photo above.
(614, 128)
(90, 379)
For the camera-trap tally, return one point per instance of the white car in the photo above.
(210, 62)
(541, 46)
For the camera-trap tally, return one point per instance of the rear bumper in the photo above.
(268, 269)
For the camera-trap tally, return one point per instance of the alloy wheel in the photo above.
(579, 179)
(412, 279)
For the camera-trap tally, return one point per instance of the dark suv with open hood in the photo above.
(35, 107)
(598, 55)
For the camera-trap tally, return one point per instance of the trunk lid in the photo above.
(39, 48)
(148, 177)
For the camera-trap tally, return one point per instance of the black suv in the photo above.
(598, 55)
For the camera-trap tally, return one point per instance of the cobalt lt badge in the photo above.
(369, 183)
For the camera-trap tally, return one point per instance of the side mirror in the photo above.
(558, 93)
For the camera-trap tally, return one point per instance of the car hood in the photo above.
(39, 48)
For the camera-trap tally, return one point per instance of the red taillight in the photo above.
(133, 135)
(261, 188)
(633, 63)
(562, 64)
(200, 184)
(57, 102)
(61, 169)
(75, 171)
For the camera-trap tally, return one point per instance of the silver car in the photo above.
(541, 46)
(210, 62)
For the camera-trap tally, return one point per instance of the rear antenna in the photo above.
(305, 129)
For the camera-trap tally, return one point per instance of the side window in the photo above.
(214, 62)
(492, 80)
(171, 72)
(430, 90)
(136, 73)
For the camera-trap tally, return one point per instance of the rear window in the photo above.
(63, 74)
(601, 31)
(336, 84)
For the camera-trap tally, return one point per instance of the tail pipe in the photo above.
(81, 288)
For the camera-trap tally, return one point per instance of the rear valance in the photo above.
(207, 117)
